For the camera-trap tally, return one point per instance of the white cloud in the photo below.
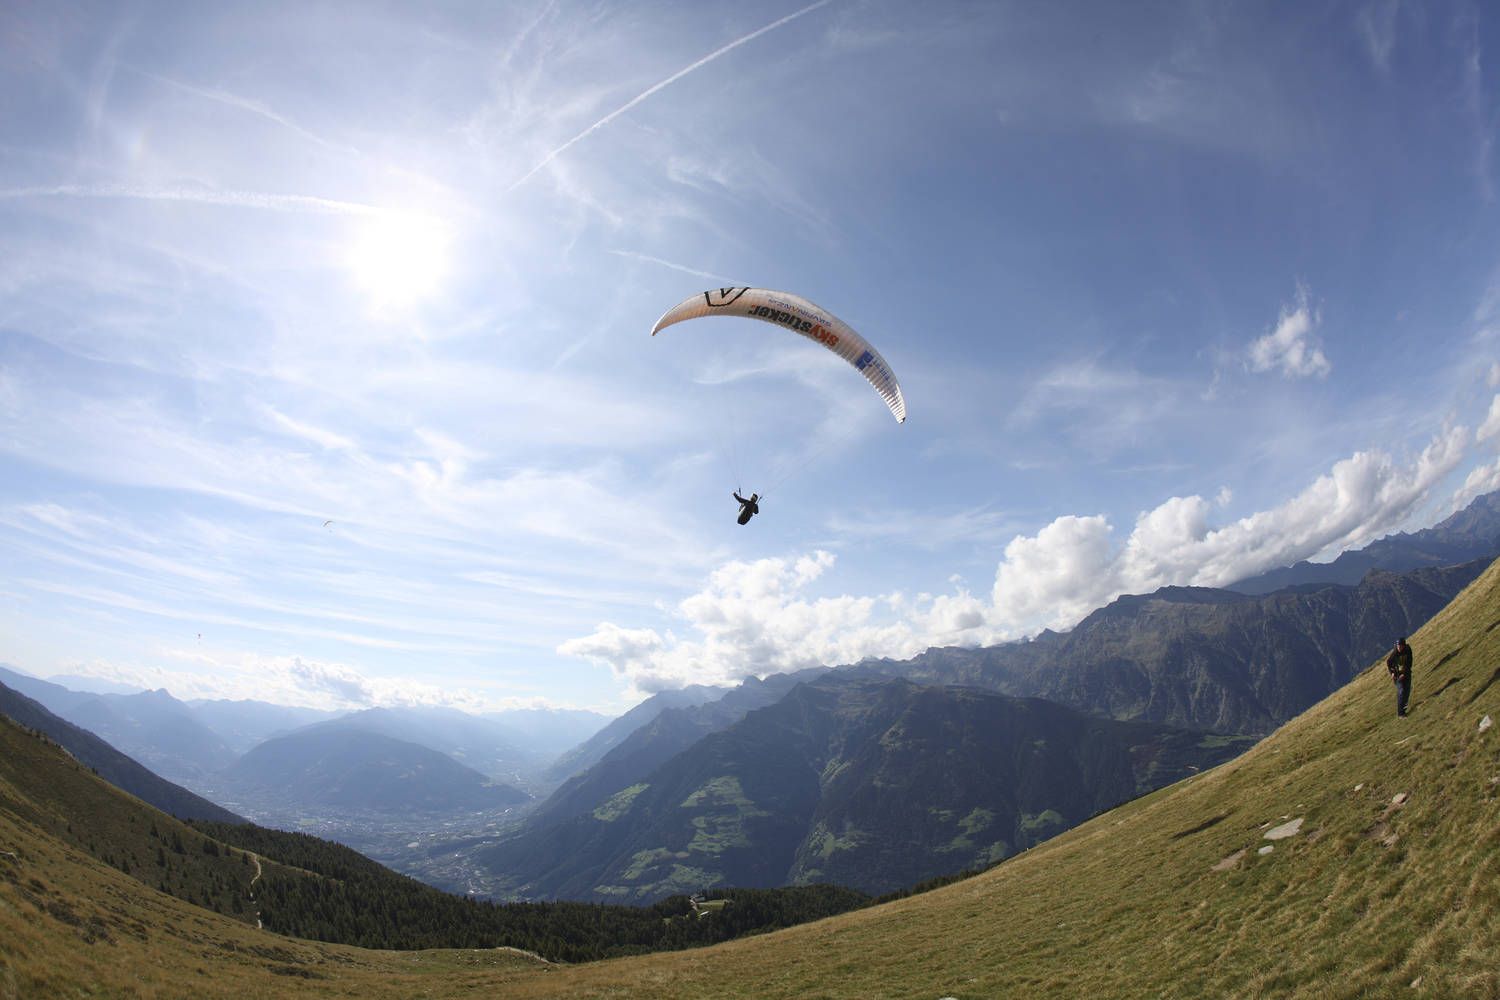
(756, 618)
(1291, 347)
(1491, 425)
(1068, 567)
(1057, 575)
(203, 671)
(1481, 480)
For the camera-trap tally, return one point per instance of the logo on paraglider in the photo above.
(867, 362)
(718, 298)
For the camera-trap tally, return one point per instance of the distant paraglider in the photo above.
(797, 314)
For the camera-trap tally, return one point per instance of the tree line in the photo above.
(359, 902)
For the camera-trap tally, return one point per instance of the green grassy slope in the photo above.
(1389, 887)
(1372, 895)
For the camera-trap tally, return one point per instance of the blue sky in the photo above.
(1177, 293)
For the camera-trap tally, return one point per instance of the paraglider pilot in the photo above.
(748, 508)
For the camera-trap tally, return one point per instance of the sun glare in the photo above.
(398, 259)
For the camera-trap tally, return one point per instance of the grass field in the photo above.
(1388, 887)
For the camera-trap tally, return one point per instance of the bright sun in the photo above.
(399, 259)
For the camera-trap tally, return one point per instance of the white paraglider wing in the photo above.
(800, 316)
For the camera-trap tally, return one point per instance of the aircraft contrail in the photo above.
(660, 86)
(676, 267)
(236, 199)
(246, 104)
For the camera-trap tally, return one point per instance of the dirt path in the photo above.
(256, 859)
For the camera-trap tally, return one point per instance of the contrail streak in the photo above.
(247, 104)
(664, 84)
(676, 267)
(237, 199)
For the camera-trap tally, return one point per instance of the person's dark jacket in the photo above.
(748, 508)
(1399, 663)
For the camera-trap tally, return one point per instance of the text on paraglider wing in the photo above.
(868, 360)
(816, 331)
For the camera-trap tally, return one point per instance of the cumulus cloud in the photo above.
(1057, 575)
(757, 618)
(1491, 426)
(1291, 348)
(1069, 568)
(1484, 478)
(1481, 480)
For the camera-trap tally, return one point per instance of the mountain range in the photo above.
(109, 763)
(1202, 658)
(1228, 662)
(870, 783)
(326, 768)
(1469, 534)
(1351, 853)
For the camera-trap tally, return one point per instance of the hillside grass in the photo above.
(1390, 887)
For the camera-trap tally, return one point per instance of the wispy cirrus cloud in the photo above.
(249, 105)
(1465, 30)
(1375, 24)
(648, 259)
(192, 195)
(659, 87)
(1101, 407)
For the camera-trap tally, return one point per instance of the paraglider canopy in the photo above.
(792, 312)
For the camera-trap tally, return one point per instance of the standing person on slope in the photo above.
(1399, 666)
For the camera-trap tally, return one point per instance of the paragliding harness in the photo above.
(748, 508)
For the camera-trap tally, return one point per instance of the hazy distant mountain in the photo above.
(474, 741)
(151, 726)
(157, 730)
(95, 685)
(1472, 533)
(1203, 658)
(242, 724)
(56, 698)
(323, 768)
(109, 763)
(592, 750)
(548, 731)
(672, 731)
(869, 783)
